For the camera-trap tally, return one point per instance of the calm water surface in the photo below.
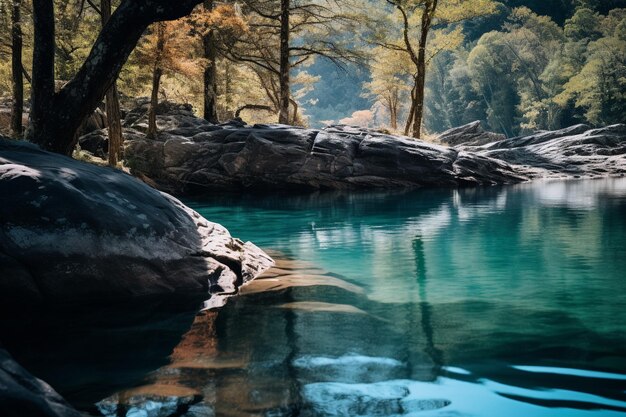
(501, 301)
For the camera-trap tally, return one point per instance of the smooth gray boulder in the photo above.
(275, 156)
(75, 232)
(576, 151)
(23, 395)
(469, 134)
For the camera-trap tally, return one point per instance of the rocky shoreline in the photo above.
(79, 237)
(191, 156)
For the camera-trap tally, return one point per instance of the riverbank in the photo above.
(190, 156)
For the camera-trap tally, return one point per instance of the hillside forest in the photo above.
(413, 67)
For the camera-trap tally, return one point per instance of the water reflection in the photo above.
(466, 288)
(501, 301)
(294, 351)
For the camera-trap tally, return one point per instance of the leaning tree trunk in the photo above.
(114, 122)
(156, 81)
(55, 118)
(17, 108)
(283, 116)
(210, 72)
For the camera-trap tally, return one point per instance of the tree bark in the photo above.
(409, 119)
(114, 122)
(156, 82)
(154, 102)
(17, 108)
(420, 79)
(55, 118)
(210, 72)
(393, 111)
(285, 66)
(43, 69)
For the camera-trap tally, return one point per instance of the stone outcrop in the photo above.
(188, 159)
(275, 156)
(75, 232)
(21, 394)
(469, 134)
(577, 151)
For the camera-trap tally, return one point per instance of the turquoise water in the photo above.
(500, 301)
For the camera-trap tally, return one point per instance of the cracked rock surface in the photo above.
(196, 159)
(276, 156)
(577, 151)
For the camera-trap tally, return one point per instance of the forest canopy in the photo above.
(409, 66)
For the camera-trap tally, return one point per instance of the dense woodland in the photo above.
(414, 67)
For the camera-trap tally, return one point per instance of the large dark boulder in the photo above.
(75, 232)
(23, 395)
(339, 157)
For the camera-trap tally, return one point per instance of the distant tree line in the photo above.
(534, 74)
(529, 74)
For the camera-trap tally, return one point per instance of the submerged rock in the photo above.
(388, 398)
(171, 401)
(21, 394)
(469, 134)
(75, 232)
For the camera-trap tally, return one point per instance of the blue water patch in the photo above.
(497, 301)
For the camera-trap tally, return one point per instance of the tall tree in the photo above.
(389, 83)
(286, 34)
(216, 25)
(16, 70)
(157, 73)
(284, 66)
(166, 49)
(428, 14)
(599, 87)
(210, 71)
(114, 122)
(56, 117)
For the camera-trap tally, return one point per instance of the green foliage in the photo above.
(517, 65)
(534, 74)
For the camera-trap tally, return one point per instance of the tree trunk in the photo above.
(285, 66)
(154, 102)
(17, 108)
(55, 118)
(393, 115)
(210, 72)
(43, 72)
(409, 118)
(114, 122)
(156, 81)
(420, 78)
(419, 95)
